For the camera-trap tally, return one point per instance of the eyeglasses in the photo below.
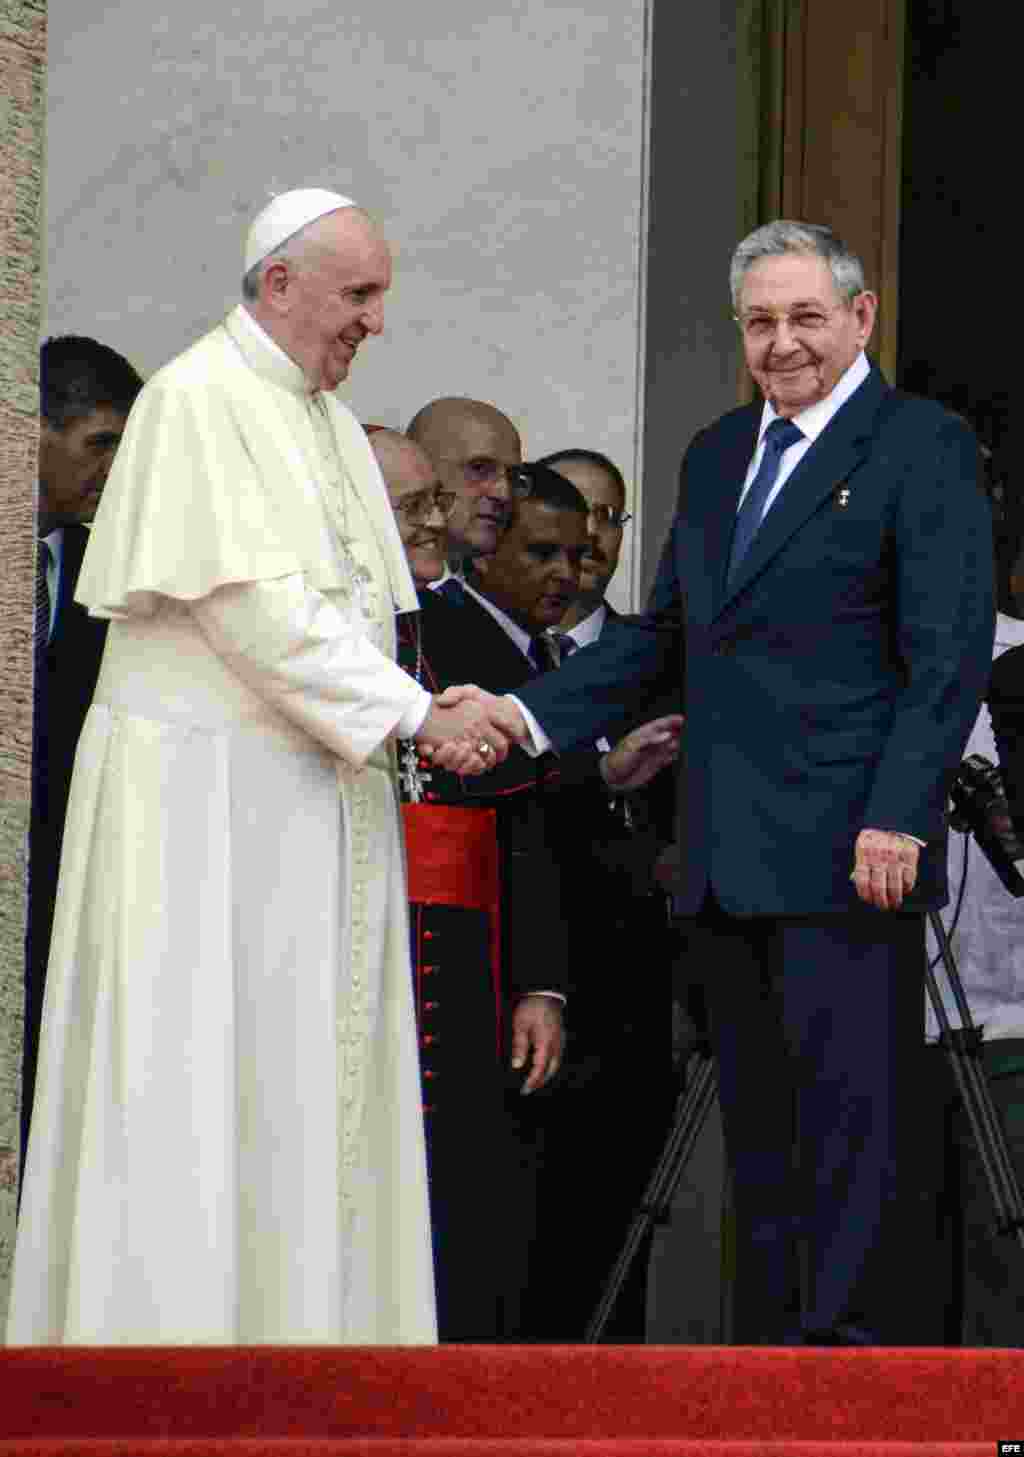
(421, 504)
(604, 516)
(801, 321)
(522, 487)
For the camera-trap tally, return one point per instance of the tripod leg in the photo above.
(964, 1048)
(693, 1111)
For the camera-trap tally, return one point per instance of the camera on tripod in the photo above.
(980, 807)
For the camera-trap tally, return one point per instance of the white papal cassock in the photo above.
(227, 1137)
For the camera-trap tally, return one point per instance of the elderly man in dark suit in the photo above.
(86, 392)
(829, 578)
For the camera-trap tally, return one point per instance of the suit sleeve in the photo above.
(944, 626)
(604, 686)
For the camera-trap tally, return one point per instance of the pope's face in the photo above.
(74, 464)
(799, 334)
(336, 299)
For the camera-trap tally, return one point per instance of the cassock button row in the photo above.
(428, 935)
(429, 1072)
(430, 1039)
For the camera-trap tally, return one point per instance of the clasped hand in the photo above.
(885, 868)
(468, 731)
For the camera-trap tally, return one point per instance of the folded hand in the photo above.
(885, 868)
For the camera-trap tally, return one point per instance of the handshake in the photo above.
(468, 731)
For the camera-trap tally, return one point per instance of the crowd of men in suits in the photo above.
(573, 894)
(832, 607)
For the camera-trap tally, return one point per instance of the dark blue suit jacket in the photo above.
(833, 686)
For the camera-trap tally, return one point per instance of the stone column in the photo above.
(22, 92)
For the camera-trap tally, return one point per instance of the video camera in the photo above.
(980, 806)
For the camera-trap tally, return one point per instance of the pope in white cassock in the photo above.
(227, 1139)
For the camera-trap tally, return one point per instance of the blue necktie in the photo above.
(779, 436)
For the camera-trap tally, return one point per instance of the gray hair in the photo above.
(780, 237)
(251, 280)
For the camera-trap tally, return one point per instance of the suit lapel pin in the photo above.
(843, 497)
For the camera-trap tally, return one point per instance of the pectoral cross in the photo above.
(411, 778)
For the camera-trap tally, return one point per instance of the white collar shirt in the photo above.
(811, 422)
(590, 629)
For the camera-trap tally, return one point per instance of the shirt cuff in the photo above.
(539, 741)
(412, 719)
(556, 996)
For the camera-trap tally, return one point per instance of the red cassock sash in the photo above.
(452, 860)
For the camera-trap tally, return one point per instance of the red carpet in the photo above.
(476, 1401)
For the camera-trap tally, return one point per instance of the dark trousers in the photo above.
(816, 1024)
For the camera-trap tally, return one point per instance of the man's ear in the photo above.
(275, 283)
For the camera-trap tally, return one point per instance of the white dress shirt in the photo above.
(811, 423)
(590, 629)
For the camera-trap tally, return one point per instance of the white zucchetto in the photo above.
(285, 215)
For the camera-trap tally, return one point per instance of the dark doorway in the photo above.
(958, 273)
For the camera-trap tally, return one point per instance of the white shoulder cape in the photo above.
(214, 483)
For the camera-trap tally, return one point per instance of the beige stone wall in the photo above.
(22, 79)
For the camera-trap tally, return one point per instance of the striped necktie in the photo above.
(543, 653)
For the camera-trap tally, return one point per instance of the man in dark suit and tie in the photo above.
(621, 1070)
(86, 390)
(828, 578)
(600, 483)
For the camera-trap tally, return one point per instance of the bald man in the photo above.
(473, 446)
